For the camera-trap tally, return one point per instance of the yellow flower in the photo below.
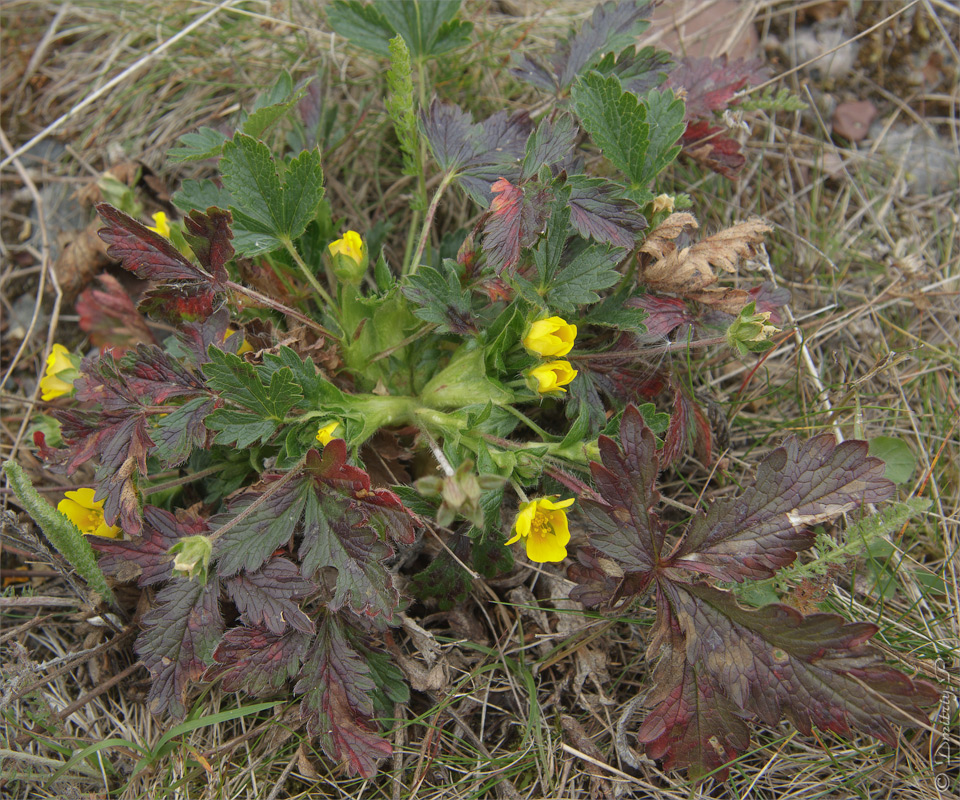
(553, 376)
(543, 523)
(160, 225)
(349, 257)
(86, 513)
(245, 346)
(552, 336)
(663, 202)
(325, 434)
(59, 362)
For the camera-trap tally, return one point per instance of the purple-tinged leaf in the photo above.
(109, 317)
(331, 468)
(797, 487)
(595, 587)
(724, 661)
(178, 639)
(612, 27)
(690, 724)
(196, 337)
(452, 135)
(551, 144)
(248, 543)
(177, 303)
(709, 84)
(209, 237)
(266, 598)
(337, 702)
(145, 558)
(596, 212)
(143, 252)
(182, 430)
(516, 218)
(256, 660)
(335, 535)
(626, 528)
(664, 314)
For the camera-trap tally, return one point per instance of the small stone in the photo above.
(852, 120)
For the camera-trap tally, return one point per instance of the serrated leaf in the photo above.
(178, 639)
(266, 598)
(248, 543)
(616, 121)
(815, 670)
(317, 391)
(665, 118)
(628, 529)
(612, 27)
(180, 431)
(638, 71)
(797, 487)
(334, 536)
(516, 218)
(201, 195)
(238, 382)
(337, 701)
(552, 142)
(599, 212)
(262, 118)
(267, 205)
(709, 84)
(208, 234)
(109, 317)
(441, 299)
(257, 661)
(205, 143)
(144, 253)
(145, 558)
(427, 26)
(577, 283)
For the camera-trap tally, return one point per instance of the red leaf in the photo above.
(141, 251)
(337, 701)
(516, 218)
(712, 149)
(110, 318)
(332, 468)
(178, 640)
(209, 237)
(709, 84)
(664, 314)
(256, 660)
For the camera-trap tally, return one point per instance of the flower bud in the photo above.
(348, 258)
(750, 331)
(192, 557)
(551, 377)
(326, 432)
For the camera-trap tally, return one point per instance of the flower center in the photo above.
(94, 519)
(541, 527)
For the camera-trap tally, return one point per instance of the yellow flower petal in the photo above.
(553, 376)
(326, 432)
(553, 336)
(59, 361)
(86, 513)
(160, 225)
(543, 523)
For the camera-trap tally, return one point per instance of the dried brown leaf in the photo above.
(691, 269)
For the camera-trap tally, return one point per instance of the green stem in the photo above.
(547, 437)
(519, 490)
(311, 278)
(428, 221)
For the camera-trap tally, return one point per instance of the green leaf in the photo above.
(261, 119)
(665, 118)
(616, 121)
(612, 313)
(427, 26)
(273, 207)
(316, 390)
(547, 254)
(362, 24)
(205, 143)
(441, 299)
(201, 195)
(896, 454)
(60, 531)
(267, 403)
(593, 269)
